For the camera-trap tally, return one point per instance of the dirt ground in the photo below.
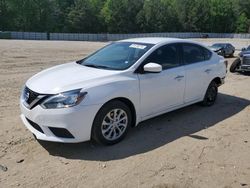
(192, 147)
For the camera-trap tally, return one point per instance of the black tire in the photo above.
(235, 65)
(97, 128)
(211, 94)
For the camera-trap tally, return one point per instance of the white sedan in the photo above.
(120, 85)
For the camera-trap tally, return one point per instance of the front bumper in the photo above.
(244, 68)
(76, 120)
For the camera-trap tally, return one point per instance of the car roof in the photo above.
(221, 43)
(155, 40)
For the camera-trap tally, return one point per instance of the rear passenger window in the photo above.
(192, 53)
(207, 54)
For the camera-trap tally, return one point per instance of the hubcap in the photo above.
(114, 124)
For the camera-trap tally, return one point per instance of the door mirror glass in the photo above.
(152, 67)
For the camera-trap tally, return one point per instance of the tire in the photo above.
(211, 94)
(235, 65)
(108, 131)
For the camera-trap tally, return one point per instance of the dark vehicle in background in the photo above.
(241, 64)
(244, 51)
(223, 49)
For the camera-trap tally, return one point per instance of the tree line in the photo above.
(125, 16)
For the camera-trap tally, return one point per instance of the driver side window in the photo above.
(166, 56)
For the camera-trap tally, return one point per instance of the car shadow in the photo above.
(156, 132)
(245, 73)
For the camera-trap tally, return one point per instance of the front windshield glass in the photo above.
(248, 48)
(116, 56)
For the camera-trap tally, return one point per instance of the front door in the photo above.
(164, 90)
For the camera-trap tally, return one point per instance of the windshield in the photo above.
(116, 56)
(248, 48)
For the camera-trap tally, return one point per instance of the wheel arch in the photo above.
(131, 106)
(217, 80)
(129, 103)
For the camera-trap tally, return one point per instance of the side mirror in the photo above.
(243, 49)
(152, 68)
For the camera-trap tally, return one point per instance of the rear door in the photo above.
(198, 70)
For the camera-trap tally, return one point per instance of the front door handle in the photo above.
(208, 71)
(179, 77)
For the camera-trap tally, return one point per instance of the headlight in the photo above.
(64, 100)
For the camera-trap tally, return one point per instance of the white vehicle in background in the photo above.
(120, 85)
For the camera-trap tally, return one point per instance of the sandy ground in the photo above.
(191, 147)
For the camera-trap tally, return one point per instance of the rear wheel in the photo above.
(235, 65)
(211, 94)
(111, 123)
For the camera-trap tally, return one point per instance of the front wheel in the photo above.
(111, 123)
(235, 65)
(211, 94)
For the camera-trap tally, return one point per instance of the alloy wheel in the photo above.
(114, 124)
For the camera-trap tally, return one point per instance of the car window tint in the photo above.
(167, 56)
(192, 53)
(117, 55)
(207, 54)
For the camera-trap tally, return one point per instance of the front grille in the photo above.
(32, 99)
(61, 132)
(29, 95)
(35, 126)
(246, 60)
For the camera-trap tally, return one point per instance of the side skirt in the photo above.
(169, 110)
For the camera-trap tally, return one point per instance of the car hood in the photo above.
(246, 52)
(246, 55)
(67, 77)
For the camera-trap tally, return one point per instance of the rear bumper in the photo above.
(68, 125)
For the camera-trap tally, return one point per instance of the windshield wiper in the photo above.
(97, 66)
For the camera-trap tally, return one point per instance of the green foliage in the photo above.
(84, 16)
(158, 16)
(125, 16)
(222, 16)
(5, 15)
(242, 24)
(120, 15)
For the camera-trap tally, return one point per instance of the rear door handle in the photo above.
(179, 77)
(208, 71)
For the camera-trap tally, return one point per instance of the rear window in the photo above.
(195, 53)
(207, 54)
